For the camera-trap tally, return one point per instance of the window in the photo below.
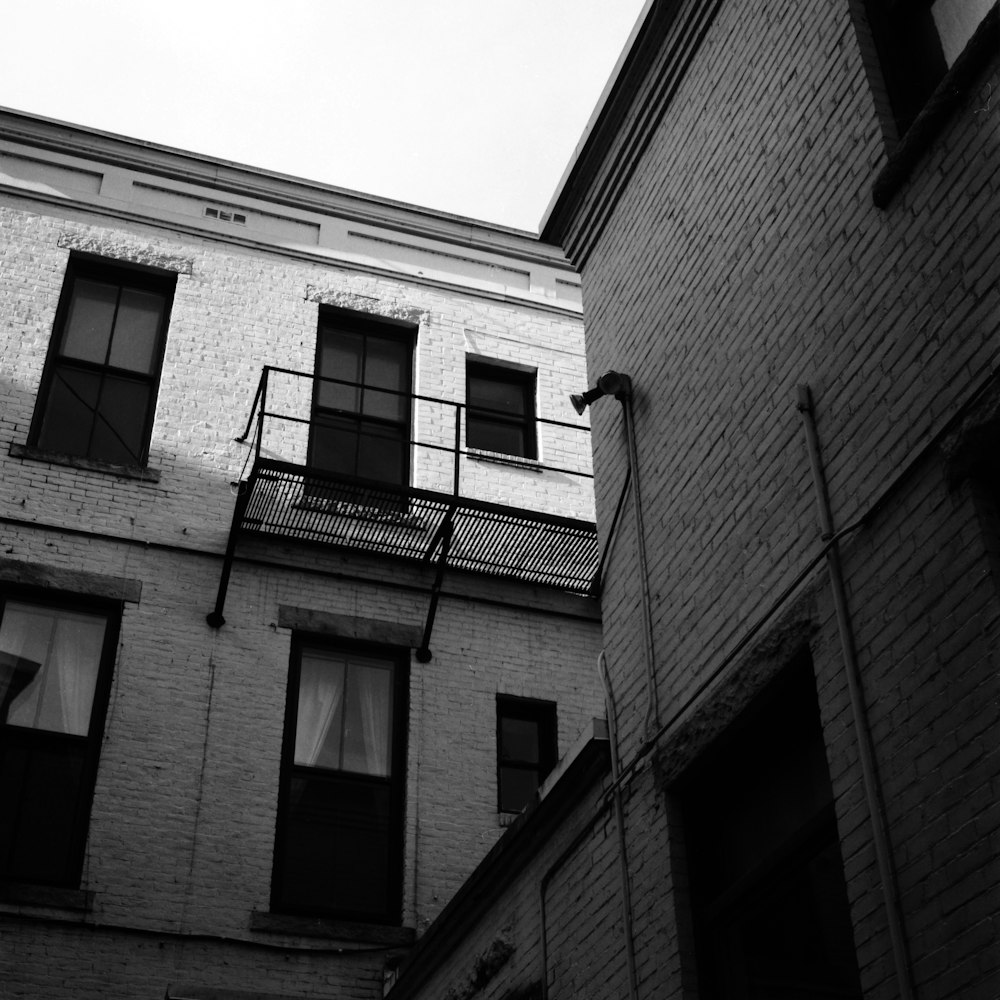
(501, 409)
(56, 660)
(358, 430)
(767, 881)
(917, 42)
(99, 388)
(339, 841)
(526, 749)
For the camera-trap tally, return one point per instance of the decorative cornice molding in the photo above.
(648, 80)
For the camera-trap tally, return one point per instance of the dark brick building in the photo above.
(785, 216)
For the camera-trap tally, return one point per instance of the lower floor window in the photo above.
(526, 749)
(339, 840)
(767, 881)
(56, 659)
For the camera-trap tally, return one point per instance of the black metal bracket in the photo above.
(423, 653)
(215, 618)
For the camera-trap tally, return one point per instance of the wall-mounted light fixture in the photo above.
(609, 384)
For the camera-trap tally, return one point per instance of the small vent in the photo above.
(238, 218)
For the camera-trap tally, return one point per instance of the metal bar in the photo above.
(423, 654)
(253, 409)
(859, 711)
(215, 617)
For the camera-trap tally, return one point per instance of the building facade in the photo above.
(298, 551)
(784, 217)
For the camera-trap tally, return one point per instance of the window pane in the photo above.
(88, 324)
(517, 787)
(334, 445)
(385, 367)
(498, 394)
(134, 345)
(319, 721)
(519, 740)
(368, 718)
(120, 427)
(341, 355)
(69, 412)
(49, 659)
(42, 790)
(506, 439)
(381, 455)
(335, 852)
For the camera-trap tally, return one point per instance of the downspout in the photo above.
(609, 698)
(859, 713)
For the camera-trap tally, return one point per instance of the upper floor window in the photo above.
(340, 813)
(360, 430)
(56, 660)
(917, 42)
(98, 391)
(526, 749)
(500, 415)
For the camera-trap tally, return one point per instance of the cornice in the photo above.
(648, 78)
(241, 180)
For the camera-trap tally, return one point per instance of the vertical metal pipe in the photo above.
(859, 712)
(458, 446)
(609, 699)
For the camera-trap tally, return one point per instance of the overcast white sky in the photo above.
(467, 106)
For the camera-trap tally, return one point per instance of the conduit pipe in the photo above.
(609, 700)
(859, 712)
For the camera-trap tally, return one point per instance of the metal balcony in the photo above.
(283, 496)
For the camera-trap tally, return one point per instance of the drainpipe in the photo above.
(609, 698)
(859, 712)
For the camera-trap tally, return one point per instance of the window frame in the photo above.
(390, 913)
(331, 322)
(125, 275)
(526, 381)
(18, 739)
(545, 715)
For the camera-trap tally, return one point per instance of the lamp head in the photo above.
(609, 384)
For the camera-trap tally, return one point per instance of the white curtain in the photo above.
(67, 645)
(373, 690)
(321, 689)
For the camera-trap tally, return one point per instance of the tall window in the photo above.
(358, 430)
(767, 880)
(501, 409)
(55, 669)
(918, 41)
(526, 749)
(340, 826)
(99, 388)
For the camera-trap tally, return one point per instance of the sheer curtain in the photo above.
(321, 690)
(373, 691)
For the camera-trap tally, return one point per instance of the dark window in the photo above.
(501, 409)
(359, 429)
(526, 749)
(917, 42)
(340, 831)
(767, 881)
(99, 389)
(56, 660)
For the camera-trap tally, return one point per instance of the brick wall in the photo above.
(181, 838)
(743, 258)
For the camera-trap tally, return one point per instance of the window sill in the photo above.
(327, 927)
(50, 897)
(938, 110)
(146, 475)
(498, 458)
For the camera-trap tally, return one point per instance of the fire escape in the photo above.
(436, 524)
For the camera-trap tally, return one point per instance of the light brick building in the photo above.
(785, 218)
(297, 547)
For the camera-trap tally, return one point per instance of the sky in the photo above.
(466, 106)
